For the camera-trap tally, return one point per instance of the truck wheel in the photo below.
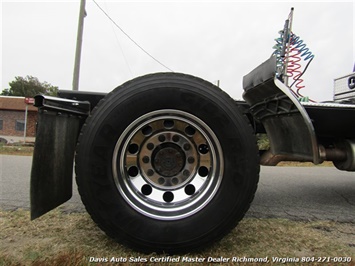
(167, 163)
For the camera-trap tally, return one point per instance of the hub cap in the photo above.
(167, 164)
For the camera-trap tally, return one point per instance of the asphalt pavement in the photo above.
(15, 172)
(297, 193)
(305, 193)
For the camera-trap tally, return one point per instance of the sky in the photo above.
(214, 40)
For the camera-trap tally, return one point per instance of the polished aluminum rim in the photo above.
(167, 164)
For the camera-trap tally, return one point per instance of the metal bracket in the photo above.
(62, 105)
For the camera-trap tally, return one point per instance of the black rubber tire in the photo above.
(134, 99)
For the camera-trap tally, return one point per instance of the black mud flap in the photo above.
(53, 159)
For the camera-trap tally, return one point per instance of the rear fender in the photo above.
(288, 126)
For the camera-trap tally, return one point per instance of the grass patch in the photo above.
(58, 238)
(17, 149)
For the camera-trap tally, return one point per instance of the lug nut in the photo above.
(186, 173)
(150, 146)
(187, 146)
(150, 172)
(191, 160)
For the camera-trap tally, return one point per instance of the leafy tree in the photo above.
(29, 87)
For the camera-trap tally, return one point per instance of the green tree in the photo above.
(29, 87)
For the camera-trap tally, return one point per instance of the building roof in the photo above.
(14, 103)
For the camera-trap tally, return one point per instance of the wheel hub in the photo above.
(168, 161)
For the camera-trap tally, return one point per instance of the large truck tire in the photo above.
(167, 163)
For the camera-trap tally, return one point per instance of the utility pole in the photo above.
(79, 41)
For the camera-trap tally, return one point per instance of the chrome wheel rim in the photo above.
(167, 164)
